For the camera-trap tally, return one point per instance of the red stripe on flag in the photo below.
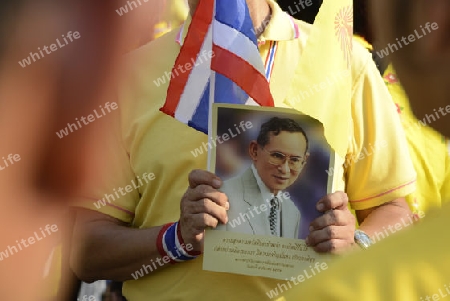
(243, 74)
(189, 51)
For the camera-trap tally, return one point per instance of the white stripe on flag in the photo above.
(251, 102)
(198, 79)
(237, 43)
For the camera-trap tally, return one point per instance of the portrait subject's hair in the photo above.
(276, 125)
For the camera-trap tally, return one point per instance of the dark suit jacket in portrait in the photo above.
(243, 194)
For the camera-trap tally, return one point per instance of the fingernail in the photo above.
(227, 205)
(307, 240)
(217, 183)
(320, 206)
(311, 228)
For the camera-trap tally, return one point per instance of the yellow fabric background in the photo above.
(406, 266)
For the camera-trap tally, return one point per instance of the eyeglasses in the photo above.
(277, 158)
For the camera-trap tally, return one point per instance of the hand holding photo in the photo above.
(273, 175)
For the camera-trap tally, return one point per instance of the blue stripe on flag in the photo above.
(236, 15)
(199, 120)
(233, 13)
(226, 91)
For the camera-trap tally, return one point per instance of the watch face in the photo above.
(362, 239)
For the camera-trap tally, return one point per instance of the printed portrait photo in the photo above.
(274, 166)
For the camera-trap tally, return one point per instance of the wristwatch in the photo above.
(362, 239)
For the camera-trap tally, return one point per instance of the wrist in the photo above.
(362, 239)
(170, 243)
(189, 247)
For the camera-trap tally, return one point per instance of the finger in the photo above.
(203, 177)
(337, 200)
(204, 191)
(332, 218)
(331, 232)
(211, 208)
(335, 246)
(201, 221)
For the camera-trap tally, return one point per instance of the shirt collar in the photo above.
(281, 27)
(265, 192)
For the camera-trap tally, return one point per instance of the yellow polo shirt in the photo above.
(428, 150)
(411, 265)
(152, 142)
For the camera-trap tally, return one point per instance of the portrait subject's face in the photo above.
(280, 162)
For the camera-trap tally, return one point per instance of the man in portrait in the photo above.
(258, 202)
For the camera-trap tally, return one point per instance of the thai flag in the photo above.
(221, 64)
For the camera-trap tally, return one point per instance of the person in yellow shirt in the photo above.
(123, 216)
(428, 148)
(415, 264)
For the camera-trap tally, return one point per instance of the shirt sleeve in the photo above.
(110, 186)
(378, 168)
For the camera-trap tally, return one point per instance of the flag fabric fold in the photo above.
(219, 62)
